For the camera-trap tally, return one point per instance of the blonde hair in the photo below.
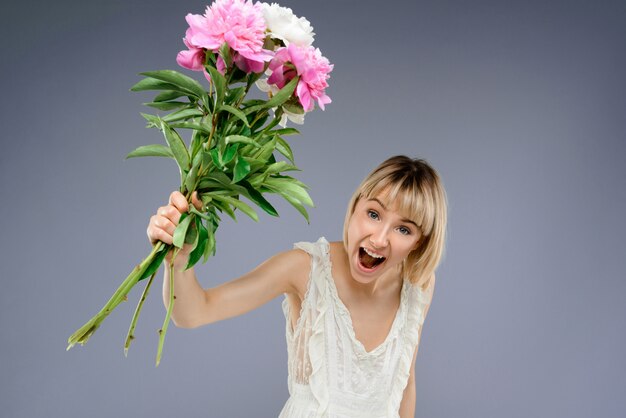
(415, 189)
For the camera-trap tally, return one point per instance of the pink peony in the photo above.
(239, 23)
(192, 59)
(310, 65)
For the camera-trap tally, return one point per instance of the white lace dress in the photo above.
(330, 372)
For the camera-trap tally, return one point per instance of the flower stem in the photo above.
(257, 117)
(133, 323)
(82, 335)
(170, 307)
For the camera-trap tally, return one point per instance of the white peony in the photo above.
(265, 87)
(284, 25)
(297, 118)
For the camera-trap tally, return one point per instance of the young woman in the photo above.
(354, 308)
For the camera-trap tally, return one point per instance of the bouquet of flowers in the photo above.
(234, 141)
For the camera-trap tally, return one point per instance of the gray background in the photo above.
(519, 105)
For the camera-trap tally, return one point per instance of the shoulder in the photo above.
(337, 251)
(294, 266)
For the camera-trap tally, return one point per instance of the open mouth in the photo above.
(369, 261)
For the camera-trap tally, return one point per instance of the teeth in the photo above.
(371, 254)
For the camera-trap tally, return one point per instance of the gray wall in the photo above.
(519, 105)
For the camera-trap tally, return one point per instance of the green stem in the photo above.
(213, 126)
(257, 117)
(83, 334)
(133, 323)
(168, 315)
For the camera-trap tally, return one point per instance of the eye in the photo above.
(404, 230)
(372, 214)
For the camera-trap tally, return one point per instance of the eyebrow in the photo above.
(385, 207)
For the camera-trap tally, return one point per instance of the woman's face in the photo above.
(379, 238)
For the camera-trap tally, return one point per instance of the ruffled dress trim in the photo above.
(409, 339)
(318, 380)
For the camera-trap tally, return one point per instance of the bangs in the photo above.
(412, 199)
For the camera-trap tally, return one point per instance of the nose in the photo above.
(378, 238)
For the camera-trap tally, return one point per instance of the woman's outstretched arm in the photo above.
(196, 306)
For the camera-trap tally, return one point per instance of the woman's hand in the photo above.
(163, 224)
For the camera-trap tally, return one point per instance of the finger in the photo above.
(170, 212)
(196, 200)
(165, 224)
(178, 200)
(163, 236)
(156, 233)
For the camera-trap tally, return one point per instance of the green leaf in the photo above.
(180, 80)
(219, 83)
(182, 114)
(149, 83)
(221, 192)
(206, 158)
(154, 150)
(196, 159)
(224, 52)
(293, 106)
(197, 252)
(178, 147)
(206, 185)
(224, 207)
(219, 177)
(275, 121)
(242, 139)
(224, 182)
(296, 204)
(217, 158)
(280, 166)
(153, 121)
(242, 168)
(192, 235)
(241, 206)
(197, 138)
(285, 131)
(168, 95)
(156, 263)
(267, 150)
(283, 147)
(210, 246)
(190, 180)
(191, 125)
(289, 186)
(229, 154)
(236, 112)
(255, 196)
(260, 121)
(181, 230)
(278, 99)
(167, 105)
(254, 77)
(255, 165)
(284, 94)
(234, 95)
